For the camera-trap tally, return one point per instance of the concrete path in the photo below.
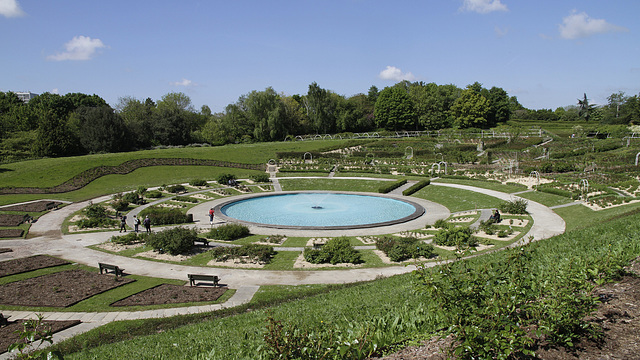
(45, 237)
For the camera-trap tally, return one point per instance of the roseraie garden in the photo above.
(515, 237)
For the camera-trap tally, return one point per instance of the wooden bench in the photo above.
(197, 277)
(108, 267)
(204, 242)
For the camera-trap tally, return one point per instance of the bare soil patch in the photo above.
(11, 233)
(9, 335)
(172, 294)
(17, 266)
(61, 289)
(11, 219)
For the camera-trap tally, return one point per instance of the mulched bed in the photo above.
(11, 233)
(37, 206)
(172, 294)
(5, 250)
(9, 336)
(30, 263)
(11, 219)
(61, 289)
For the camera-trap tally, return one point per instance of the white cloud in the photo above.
(10, 8)
(483, 6)
(55, 91)
(395, 74)
(79, 48)
(580, 25)
(184, 82)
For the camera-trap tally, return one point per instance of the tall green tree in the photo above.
(394, 109)
(321, 109)
(470, 109)
(100, 129)
(585, 109)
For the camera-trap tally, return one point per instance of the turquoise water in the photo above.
(318, 209)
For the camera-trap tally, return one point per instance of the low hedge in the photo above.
(335, 251)
(560, 192)
(165, 216)
(417, 186)
(400, 249)
(174, 241)
(390, 187)
(257, 252)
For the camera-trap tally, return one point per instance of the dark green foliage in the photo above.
(130, 238)
(96, 217)
(96, 211)
(394, 185)
(174, 241)
(335, 251)
(185, 199)
(442, 224)
(560, 192)
(260, 253)
(198, 182)
(415, 187)
(261, 178)
(133, 198)
(400, 249)
(460, 237)
(175, 189)
(153, 194)
(223, 179)
(165, 216)
(120, 204)
(518, 206)
(228, 232)
(488, 226)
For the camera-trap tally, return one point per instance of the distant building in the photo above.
(25, 96)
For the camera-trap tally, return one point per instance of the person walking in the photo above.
(123, 223)
(211, 215)
(136, 223)
(147, 224)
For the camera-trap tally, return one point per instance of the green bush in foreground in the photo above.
(335, 251)
(96, 218)
(165, 216)
(415, 187)
(390, 187)
(461, 237)
(174, 241)
(251, 252)
(228, 232)
(128, 239)
(518, 206)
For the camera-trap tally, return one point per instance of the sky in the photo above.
(547, 53)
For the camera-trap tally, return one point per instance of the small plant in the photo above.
(254, 252)
(400, 249)
(96, 217)
(165, 216)
(442, 224)
(460, 237)
(261, 178)
(153, 194)
(518, 206)
(224, 179)
(228, 232)
(185, 199)
(34, 334)
(175, 189)
(129, 239)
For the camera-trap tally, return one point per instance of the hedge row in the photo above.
(166, 216)
(394, 185)
(417, 186)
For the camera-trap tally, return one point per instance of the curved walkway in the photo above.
(45, 237)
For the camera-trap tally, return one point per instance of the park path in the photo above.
(45, 237)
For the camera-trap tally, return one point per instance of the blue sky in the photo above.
(545, 52)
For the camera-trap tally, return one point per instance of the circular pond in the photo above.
(319, 210)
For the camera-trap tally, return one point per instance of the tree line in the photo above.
(74, 124)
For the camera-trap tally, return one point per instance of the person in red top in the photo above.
(211, 214)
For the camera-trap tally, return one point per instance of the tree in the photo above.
(53, 136)
(320, 109)
(499, 106)
(470, 109)
(585, 109)
(138, 118)
(394, 109)
(100, 129)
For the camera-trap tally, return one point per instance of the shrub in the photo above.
(153, 194)
(442, 224)
(175, 189)
(174, 241)
(400, 249)
(130, 238)
(165, 216)
(560, 192)
(415, 187)
(120, 205)
(96, 211)
(488, 227)
(260, 178)
(260, 253)
(133, 198)
(335, 251)
(185, 199)
(518, 206)
(228, 232)
(96, 217)
(198, 182)
(390, 187)
(460, 237)
(223, 179)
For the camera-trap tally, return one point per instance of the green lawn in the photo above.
(332, 184)
(546, 198)
(457, 199)
(491, 185)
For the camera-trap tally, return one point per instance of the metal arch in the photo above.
(584, 189)
(435, 164)
(405, 152)
(325, 136)
(317, 136)
(299, 137)
(304, 157)
(376, 135)
(537, 175)
(445, 166)
(637, 155)
(272, 162)
(441, 156)
(366, 158)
